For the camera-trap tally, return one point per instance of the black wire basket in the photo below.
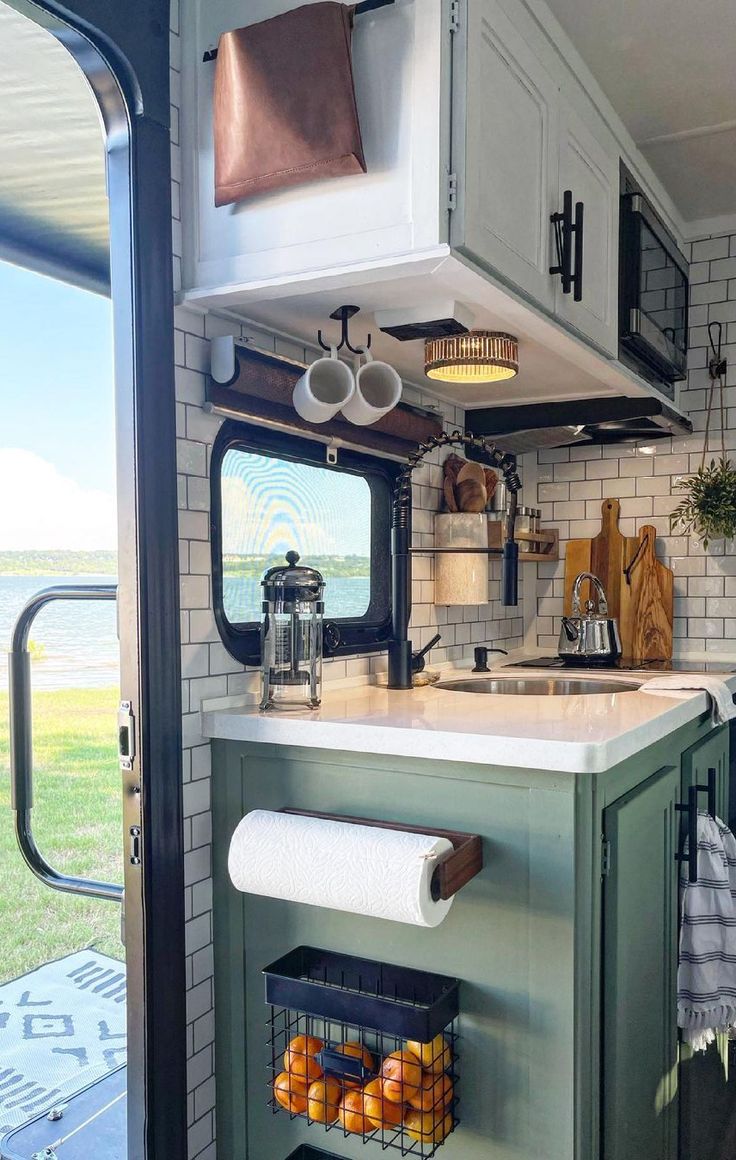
(306, 1152)
(363, 1048)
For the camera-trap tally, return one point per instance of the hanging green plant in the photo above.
(708, 508)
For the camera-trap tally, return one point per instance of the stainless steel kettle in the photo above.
(591, 637)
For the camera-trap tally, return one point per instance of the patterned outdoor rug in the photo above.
(61, 1027)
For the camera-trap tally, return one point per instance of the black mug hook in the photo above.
(343, 314)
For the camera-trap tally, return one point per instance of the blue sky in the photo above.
(57, 437)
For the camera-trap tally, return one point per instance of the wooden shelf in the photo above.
(262, 393)
(546, 539)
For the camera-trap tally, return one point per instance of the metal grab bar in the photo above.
(21, 741)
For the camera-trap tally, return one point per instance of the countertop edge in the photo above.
(442, 745)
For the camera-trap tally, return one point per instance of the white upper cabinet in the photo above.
(474, 126)
(518, 144)
(395, 208)
(589, 168)
(505, 151)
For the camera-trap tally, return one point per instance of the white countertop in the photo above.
(575, 734)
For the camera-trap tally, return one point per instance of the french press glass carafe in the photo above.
(291, 636)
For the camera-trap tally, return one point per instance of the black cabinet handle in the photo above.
(691, 809)
(577, 230)
(569, 232)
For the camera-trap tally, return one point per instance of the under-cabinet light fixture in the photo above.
(480, 356)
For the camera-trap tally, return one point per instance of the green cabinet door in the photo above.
(640, 1099)
(707, 1088)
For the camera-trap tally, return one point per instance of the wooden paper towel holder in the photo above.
(453, 869)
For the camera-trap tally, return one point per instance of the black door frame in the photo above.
(123, 48)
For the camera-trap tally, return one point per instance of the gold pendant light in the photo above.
(480, 356)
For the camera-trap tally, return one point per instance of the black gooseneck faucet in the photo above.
(399, 649)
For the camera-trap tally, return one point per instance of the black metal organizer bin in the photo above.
(364, 1048)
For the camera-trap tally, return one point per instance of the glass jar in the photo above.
(291, 636)
(527, 520)
(462, 577)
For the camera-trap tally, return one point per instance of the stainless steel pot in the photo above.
(591, 637)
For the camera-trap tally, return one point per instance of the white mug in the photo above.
(377, 391)
(325, 387)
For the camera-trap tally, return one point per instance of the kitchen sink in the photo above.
(539, 686)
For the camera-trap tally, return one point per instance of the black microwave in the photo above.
(653, 292)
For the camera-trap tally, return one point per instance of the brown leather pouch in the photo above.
(284, 103)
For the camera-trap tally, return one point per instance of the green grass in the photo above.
(77, 822)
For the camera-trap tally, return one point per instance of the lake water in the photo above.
(344, 596)
(77, 640)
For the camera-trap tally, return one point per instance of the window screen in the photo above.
(271, 506)
(273, 493)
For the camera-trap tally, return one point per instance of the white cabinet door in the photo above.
(589, 166)
(321, 229)
(508, 154)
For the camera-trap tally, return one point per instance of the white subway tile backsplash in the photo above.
(653, 485)
(571, 510)
(704, 626)
(722, 268)
(586, 489)
(709, 249)
(570, 471)
(711, 586)
(671, 464)
(616, 488)
(548, 492)
(602, 469)
(639, 465)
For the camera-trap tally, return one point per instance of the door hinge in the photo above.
(452, 191)
(454, 15)
(126, 735)
(605, 857)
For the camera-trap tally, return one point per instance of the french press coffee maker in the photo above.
(291, 636)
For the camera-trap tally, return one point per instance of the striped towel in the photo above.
(706, 976)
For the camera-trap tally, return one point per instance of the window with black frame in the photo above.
(273, 493)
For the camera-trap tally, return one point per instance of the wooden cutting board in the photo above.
(647, 606)
(605, 555)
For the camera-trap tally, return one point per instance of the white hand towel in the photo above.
(706, 975)
(721, 698)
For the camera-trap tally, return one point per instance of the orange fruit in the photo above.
(299, 1058)
(323, 1099)
(435, 1056)
(401, 1072)
(351, 1114)
(381, 1112)
(426, 1127)
(291, 1092)
(356, 1051)
(435, 1093)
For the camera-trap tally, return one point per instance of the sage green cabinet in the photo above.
(566, 945)
(657, 1101)
(707, 1088)
(640, 971)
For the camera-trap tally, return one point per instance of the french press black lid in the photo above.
(293, 582)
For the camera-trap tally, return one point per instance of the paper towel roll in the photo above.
(340, 865)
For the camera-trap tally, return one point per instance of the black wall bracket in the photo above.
(360, 10)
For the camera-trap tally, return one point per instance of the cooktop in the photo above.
(624, 664)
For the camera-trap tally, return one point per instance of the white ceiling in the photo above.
(53, 199)
(667, 67)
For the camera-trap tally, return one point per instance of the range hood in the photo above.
(603, 420)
